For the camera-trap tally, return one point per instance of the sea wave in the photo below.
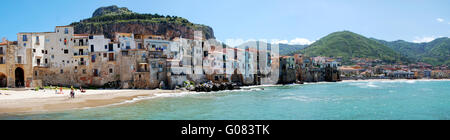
(301, 98)
(168, 95)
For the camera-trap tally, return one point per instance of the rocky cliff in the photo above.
(111, 19)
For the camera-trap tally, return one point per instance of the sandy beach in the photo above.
(15, 101)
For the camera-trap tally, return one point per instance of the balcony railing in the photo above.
(43, 65)
(81, 54)
(82, 63)
(140, 61)
(143, 70)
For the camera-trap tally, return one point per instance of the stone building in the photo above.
(287, 70)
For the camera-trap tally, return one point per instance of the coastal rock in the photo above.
(112, 19)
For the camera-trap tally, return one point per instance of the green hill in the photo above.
(436, 52)
(107, 20)
(349, 45)
(286, 49)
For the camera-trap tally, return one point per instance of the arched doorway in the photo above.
(20, 78)
(3, 80)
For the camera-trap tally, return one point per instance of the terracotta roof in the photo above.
(65, 26)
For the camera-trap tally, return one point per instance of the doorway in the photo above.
(20, 77)
(3, 80)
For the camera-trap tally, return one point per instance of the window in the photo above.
(128, 45)
(45, 60)
(24, 38)
(111, 47)
(91, 37)
(37, 39)
(65, 41)
(105, 55)
(24, 44)
(92, 48)
(106, 47)
(35, 73)
(19, 59)
(66, 51)
(34, 50)
(61, 71)
(66, 31)
(110, 71)
(111, 56)
(84, 71)
(93, 58)
(95, 72)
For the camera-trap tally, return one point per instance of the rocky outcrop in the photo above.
(167, 30)
(111, 10)
(108, 20)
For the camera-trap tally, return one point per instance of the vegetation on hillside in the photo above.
(436, 52)
(105, 18)
(286, 49)
(347, 45)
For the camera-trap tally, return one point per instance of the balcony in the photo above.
(142, 61)
(81, 47)
(82, 63)
(42, 65)
(81, 54)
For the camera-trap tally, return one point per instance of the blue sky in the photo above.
(289, 21)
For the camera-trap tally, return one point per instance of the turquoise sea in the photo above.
(379, 100)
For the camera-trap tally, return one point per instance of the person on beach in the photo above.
(82, 90)
(72, 93)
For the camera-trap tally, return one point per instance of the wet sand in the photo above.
(27, 101)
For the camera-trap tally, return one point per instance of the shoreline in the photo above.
(374, 80)
(13, 102)
(29, 102)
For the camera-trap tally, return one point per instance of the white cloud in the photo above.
(440, 20)
(296, 41)
(424, 39)
(300, 41)
(277, 41)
